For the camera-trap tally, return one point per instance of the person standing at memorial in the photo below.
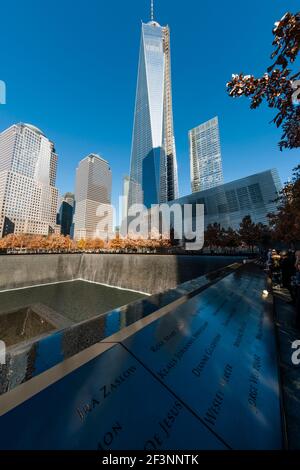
(287, 269)
(275, 269)
(297, 282)
(269, 259)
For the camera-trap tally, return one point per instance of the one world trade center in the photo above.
(153, 171)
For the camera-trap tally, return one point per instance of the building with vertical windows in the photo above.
(28, 196)
(126, 183)
(65, 213)
(92, 191)
(227, 204)
(153, 170)
(205, 156)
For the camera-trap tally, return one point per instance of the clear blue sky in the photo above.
(70, 69)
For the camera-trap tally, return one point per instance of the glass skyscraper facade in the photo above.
(205, 156)
(153, 172)
(65, 214)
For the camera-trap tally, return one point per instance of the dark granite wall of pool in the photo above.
(29, 270)
(145, 273)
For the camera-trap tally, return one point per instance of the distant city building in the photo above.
(8, 227)
(205, 156)
(28, 197)
(153, 172)
(93, 188)
(69, 198)
(229, 203)
(65, 214)
(126, 184)
(136, 194)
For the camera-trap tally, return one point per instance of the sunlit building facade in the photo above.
(92, 192)
(205, 156)
(28, 196)
(153, 172)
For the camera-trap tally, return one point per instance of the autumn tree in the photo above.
(277, 85)
(56, 243)
(89, 244)
(231, 239)
(98, 244)
(81, 244)
(264, 235)
(286, 221)
(165, 243)
(3, 244)
(118, 243)
(213, 236)
(248, 232)
(14, 242)
(70, 244)
(35, 243)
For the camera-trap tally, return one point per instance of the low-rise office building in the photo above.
(227, 204)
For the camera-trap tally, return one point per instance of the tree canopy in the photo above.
(277, 85)
(286, 221)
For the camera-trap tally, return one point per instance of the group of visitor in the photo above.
(284, 270)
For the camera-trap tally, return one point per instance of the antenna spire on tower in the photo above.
(152, 10)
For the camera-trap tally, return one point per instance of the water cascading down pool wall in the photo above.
(191, 366)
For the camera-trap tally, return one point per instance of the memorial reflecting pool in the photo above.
(75, 301)
(201, 375)
(193, 367)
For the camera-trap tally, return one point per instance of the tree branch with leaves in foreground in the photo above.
(278, 86)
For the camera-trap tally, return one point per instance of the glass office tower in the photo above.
(205, 156)
(65, 213)
(153, 172)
